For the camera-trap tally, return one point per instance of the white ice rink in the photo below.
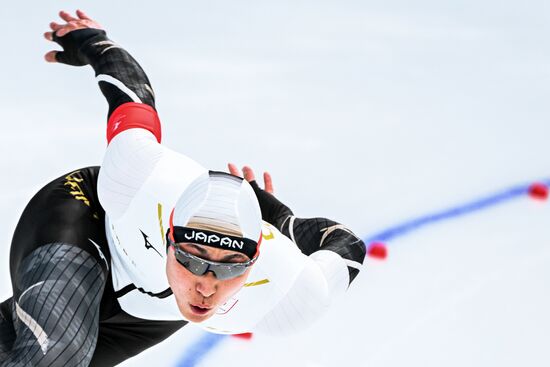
(369, 112)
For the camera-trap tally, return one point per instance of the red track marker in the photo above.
(246, 336)
(378, 250)
(538, 191)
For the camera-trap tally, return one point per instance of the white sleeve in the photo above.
(323, 280)
(129, 160)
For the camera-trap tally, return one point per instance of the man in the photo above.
(107, 262)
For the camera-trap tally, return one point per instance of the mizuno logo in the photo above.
(148, 244)
(196, 236)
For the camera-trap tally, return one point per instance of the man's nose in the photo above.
(207, 284)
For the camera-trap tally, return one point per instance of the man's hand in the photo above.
(273, 211)
(60, 30)
(249, 176)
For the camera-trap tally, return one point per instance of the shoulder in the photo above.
(134, 161)
(280, 259)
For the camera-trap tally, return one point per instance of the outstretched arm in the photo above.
(311, 235)
(133, 120)
(84, 42)
(335, 256)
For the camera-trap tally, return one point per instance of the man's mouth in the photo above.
(200, 310)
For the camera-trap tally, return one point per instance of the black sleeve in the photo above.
(273, 211)
(53, 317)
(120, 77)
(313, 234)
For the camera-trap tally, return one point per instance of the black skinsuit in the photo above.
(59, 264)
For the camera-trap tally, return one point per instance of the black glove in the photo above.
(75, 43)
(273, 211)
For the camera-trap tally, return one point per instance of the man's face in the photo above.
(198, 296)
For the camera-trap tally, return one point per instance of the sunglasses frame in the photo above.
(211, 266)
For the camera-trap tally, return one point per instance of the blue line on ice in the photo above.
(461, 210)
(200, 348)
(206, 343)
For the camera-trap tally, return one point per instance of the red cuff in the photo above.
(131, 116)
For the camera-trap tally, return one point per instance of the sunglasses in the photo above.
(199, 266)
